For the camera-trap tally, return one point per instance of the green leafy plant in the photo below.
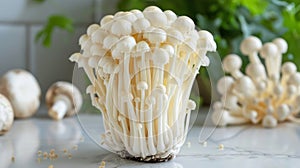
(55, 21)
(232, 20)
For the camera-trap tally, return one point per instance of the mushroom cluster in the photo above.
(141, 65)
(266, 94)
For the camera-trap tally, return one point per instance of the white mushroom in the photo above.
(6, 115)
(155, 16)
(184, 24)
(232, 64)
(250, 47)
(282, 47)
(121, 28)
(225, 84)
(63, 99)
(171, 16)
(223, 118)
(22, 90)
(269, 52)
(269, 121)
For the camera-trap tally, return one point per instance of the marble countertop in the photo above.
(244, 146)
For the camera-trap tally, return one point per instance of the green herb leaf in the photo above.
(55, 21)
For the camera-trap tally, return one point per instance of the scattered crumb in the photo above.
(40, 153)
(189, 144)
(45, 155)
(51, 166)
(221, 147)
(102, 164)
(82, 139)
(75, 147)
(204, 144)
(70, 156)
(65, 151)
(39, 160)
(52, 151)
(13, 159)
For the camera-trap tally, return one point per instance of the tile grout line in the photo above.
(28, 48)
(94, 10)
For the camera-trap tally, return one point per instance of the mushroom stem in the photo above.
(60, 107)
(149, 121)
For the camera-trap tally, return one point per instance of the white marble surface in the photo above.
(244, 146)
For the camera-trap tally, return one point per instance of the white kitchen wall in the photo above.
(20, 20)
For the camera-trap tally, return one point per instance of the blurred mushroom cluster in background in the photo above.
(268, 93)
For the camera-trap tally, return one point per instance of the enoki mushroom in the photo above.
(266, 94)
(141, 66)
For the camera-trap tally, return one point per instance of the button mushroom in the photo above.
(22, 90)
(6, 115)
(63, 99)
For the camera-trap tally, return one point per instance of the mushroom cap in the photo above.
(184, 24)
(6, 115)
(174, 36)
(140, 25)
(269, 121)
(137, 13)
(156, 36)
(92, 28)
(156, 17)
(97, 36)
(224, 84)
(206, 41)
(250, 44)
(121, 27)
(232, 63)
(282, 112)
(281, 45)
(160, 57)
(288, 68)
(106, 19)
(294, 79)
(268, 50)
(171, 16)
(22, 90)
(66, 89)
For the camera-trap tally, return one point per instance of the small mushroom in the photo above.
(232, 64)
(63, 99)
(22, 90)
(269, 53)
(6, 115)
(250, 46)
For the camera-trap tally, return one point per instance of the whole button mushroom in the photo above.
(6, 115)
(63, 99)
(22, 90)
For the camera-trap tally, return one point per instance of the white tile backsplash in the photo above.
(20, 20)
(12, 47)
(30, 11)
(52, 64)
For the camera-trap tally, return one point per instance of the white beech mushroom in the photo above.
(267, 94)
(6, 115)
(63, 99)
(142, 66)
(22, 90)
